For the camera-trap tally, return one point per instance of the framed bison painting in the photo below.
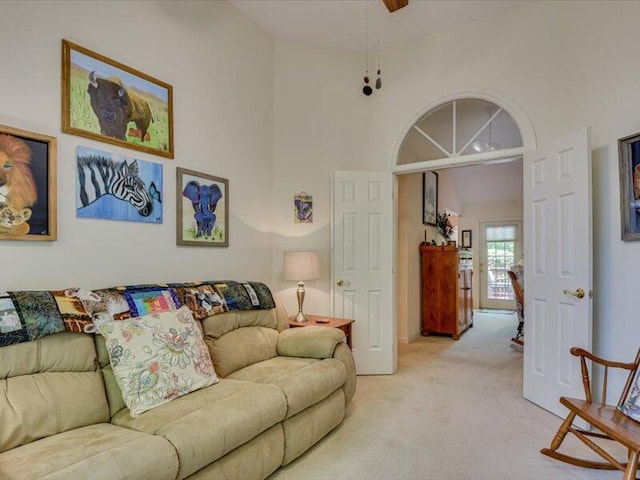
(203, 209)
(27, 185)
(105, 100)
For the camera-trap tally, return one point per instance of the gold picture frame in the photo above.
(105, 100)
(28, 185)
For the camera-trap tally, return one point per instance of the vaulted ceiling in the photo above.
(341, 23)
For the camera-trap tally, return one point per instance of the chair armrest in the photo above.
(309, 342)
(580, 352)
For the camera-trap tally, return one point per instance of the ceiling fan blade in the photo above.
(393, 5)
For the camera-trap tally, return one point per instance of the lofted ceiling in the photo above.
(341, 23)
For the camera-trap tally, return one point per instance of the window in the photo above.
(460, 127)
(501, 256)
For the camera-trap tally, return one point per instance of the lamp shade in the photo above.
(303, 265)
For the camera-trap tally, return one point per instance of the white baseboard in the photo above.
(413, 338)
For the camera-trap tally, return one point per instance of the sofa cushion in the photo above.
(311, 342)
(218, 325)
(48, 386)
(98, 451)
(207, 424)
(156, 358)
(304, 381)
(242, 347)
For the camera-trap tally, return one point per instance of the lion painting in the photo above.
(17, 187)
(14, 221)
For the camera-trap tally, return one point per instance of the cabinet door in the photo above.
(430, 303)
(469, 297)
(449, 293)
(462, 293)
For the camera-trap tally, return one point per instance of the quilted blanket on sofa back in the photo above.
(29, 315)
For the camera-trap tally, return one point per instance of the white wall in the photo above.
(321, 125)
(220, 65)
(567, 64)
(411, 232)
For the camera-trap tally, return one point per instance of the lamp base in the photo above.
(300, 294)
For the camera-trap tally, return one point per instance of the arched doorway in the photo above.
(456, 130)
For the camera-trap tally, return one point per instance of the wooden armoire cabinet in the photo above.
(447, 303)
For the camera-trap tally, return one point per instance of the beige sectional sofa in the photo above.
(281, 390)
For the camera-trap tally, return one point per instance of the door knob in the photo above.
(579, 293)
(343, 283)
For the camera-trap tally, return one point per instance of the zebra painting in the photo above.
(111, 186)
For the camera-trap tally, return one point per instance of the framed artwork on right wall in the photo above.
(629, 166)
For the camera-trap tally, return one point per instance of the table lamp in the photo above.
(301, 266)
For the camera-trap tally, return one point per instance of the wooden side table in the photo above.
(343, 324)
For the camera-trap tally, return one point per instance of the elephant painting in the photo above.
(209, 198)
(204, 199)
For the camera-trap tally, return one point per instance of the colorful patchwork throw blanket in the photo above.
(29, 315)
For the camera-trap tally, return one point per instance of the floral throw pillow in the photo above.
(157, 357)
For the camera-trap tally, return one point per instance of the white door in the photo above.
(362, 266)
(557, 262)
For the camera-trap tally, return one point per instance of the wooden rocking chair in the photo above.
(608, 420)
(519, 293)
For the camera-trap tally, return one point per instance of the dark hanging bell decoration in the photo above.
(367, 90)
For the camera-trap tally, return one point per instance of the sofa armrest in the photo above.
(309, 342)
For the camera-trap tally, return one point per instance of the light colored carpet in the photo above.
(454, 410)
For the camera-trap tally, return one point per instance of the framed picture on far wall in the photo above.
(429, 198)
(105, 100)
(629, 166)
(28, 202)
(202, 202)
(465, 241)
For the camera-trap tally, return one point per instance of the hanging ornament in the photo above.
(366, 89)
(379, 79)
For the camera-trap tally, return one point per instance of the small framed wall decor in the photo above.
(303, 208)
(429, 198)
(629, 166)
(465, 241)
(202, 202)
(28, 202)
(104, 100)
